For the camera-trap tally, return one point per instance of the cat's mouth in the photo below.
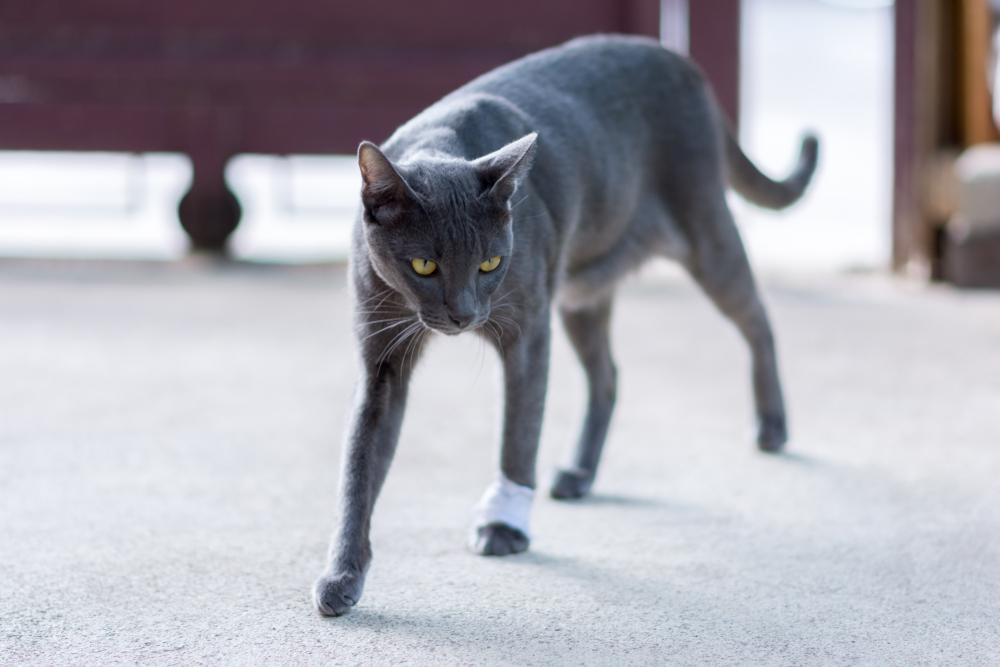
(450, 328)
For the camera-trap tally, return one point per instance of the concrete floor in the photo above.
(169, 440)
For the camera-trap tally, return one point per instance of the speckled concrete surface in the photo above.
(169, 439)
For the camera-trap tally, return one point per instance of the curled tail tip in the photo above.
(764, 191)
(810, 146)
(808, 160)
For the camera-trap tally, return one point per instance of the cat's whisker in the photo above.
(422, 336)
(395, 323)
(504, 299)
(364, 302)
(384, 300)
(490, 328)
(406, 350)
(378, 295)
(367, 328)
(380, 305)
(380, 309)
(501, 319)
(505, 307)
(370, 298)
(398, 340)
(515, 325)
(482, 352)
(389, 319)
(387, 314)
(416, 340)
(500, 347)
(412, 346)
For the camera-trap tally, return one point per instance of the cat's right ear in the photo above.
(384, 191)
(503, 169)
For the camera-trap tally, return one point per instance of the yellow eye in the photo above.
(424, 267)
(490, 264)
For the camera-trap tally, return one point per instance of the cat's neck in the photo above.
(439, 142)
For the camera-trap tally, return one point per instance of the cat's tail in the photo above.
(755, 186)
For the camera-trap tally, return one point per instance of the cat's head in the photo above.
(438, 230)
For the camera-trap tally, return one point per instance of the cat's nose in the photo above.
(461, 308)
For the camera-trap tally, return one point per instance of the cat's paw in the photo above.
(571, 483)
(335, 593)
(772, 433)
(498, 539)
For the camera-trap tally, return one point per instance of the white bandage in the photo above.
(506, 502)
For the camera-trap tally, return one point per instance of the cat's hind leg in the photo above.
(720, 266)
(588, 331)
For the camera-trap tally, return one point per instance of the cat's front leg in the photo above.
(370, 445)
(502, 517)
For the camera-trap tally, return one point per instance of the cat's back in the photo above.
(586, 60)
(602, 69)
(631, 98)
(618, 90)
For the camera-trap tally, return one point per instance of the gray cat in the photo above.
(541, 184)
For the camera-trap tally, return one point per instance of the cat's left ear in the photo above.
(501, 170)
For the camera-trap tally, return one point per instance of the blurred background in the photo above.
(177, 187)
(253, 119)
(275, 100)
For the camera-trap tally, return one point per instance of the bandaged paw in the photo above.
(505, 502)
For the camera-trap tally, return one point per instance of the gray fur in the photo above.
(575, 165)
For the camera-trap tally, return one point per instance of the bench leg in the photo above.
(209, 211)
